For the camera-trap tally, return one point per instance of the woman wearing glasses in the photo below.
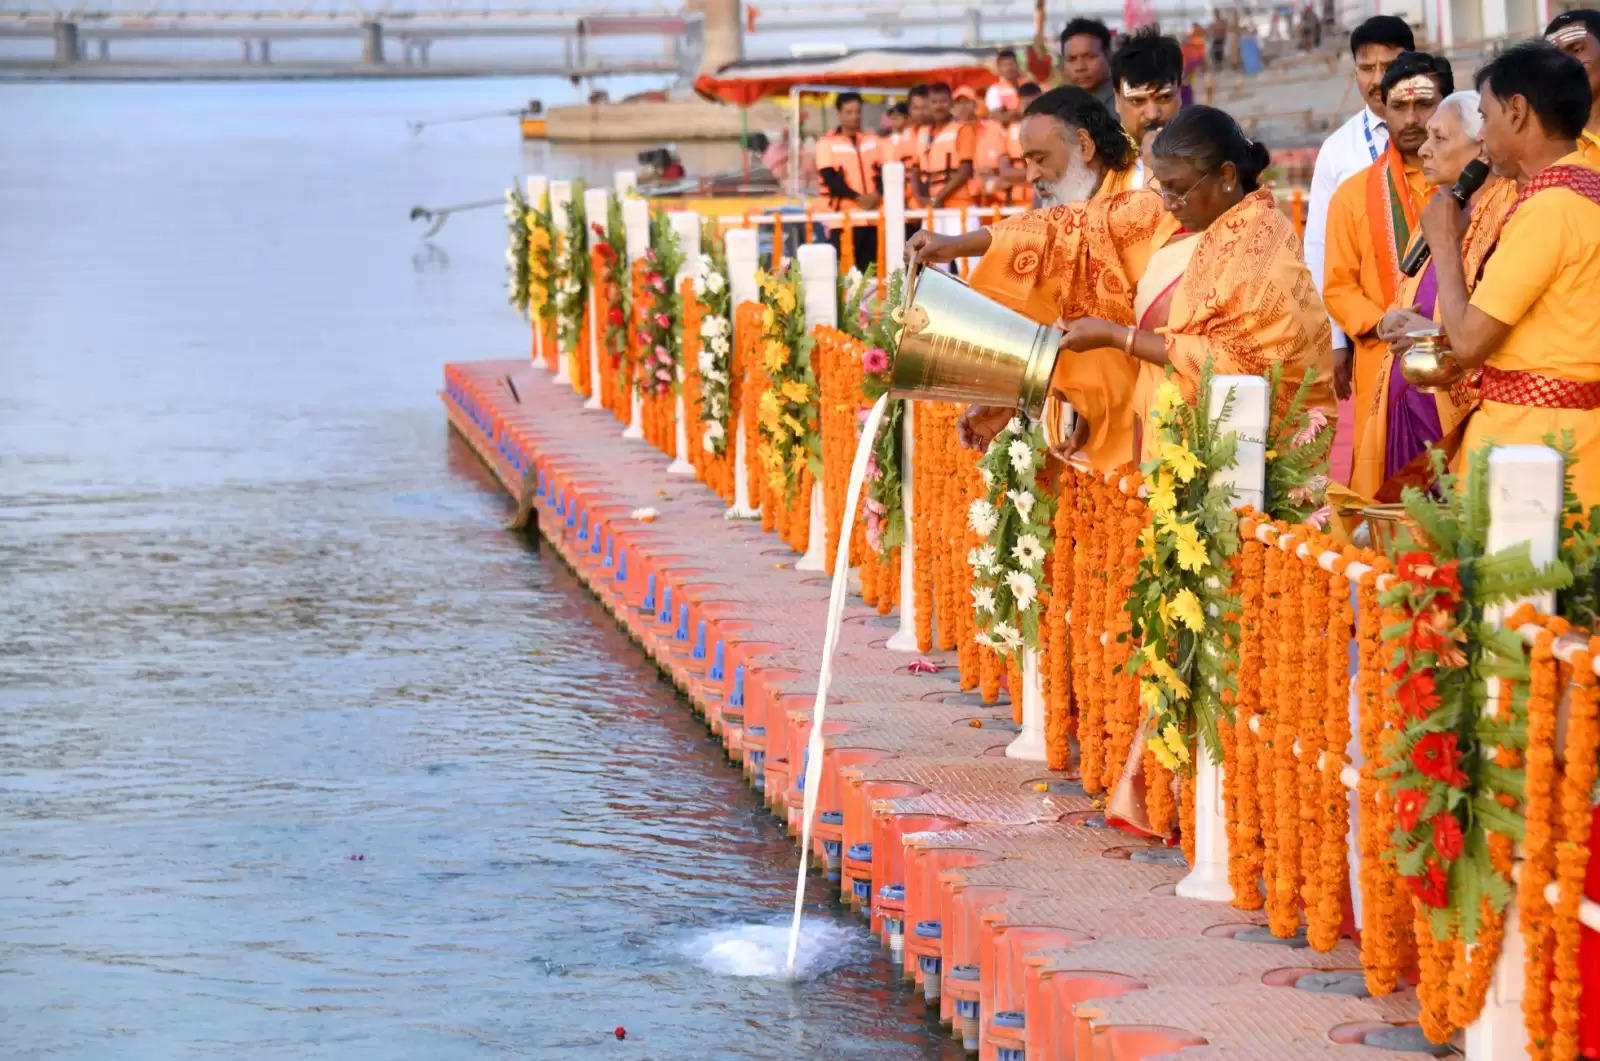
(1206, 268)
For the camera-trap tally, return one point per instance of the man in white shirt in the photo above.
(1357, 143)
(1348, 150)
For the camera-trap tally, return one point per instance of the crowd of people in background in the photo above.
(1154, 243)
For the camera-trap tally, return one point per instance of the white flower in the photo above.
(511, 256)
(1028, 552)
(1021, 454)
(983, 599)
(707, 361)
(1006, 637)
(982, 559)
(1023, 500)
(1023, 589)
(718, 407)
(987, 476)
(711, 436)
(982, 518)
(715, 283)
(985, 640)
(719, 346)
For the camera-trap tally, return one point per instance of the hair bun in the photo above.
(1257, 160)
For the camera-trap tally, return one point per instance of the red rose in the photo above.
(1447, 578)
(1447, 839)
(1418, 694)
(1431, 886)
(1408, 804)
(652, 279)
(1439, 758)
(614, 316)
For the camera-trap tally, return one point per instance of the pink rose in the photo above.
(663, 375)
(875, 360)
(663, 321)
(652, 278)
(662, 355)
(650, 255)
(661, 286)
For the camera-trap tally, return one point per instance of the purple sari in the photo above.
(1413, 414)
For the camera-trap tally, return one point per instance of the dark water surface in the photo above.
(301, 755)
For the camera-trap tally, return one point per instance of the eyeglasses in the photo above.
(1173, 203)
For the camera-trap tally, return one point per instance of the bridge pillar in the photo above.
(264, 50)
(68, 50)
(105, 48)
(246, 55)
(422, 51)
(372, 43)
(974, 27)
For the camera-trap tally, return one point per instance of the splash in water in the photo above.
(762, 950)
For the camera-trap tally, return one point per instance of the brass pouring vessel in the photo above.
(1428, 365)
(958, 346)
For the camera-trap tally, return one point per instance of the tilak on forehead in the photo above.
(1130, 90)
(1419, 88)
(1571, 33)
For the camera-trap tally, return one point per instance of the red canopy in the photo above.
(749, 81)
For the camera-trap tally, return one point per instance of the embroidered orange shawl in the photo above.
(1247, 302)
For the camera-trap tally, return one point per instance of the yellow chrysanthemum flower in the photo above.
(1168, 399)
(794, 425)
(1169, 678)
(795, 391)
(770, 409)
(1191, 550)
(1180, 460)
(1175, 742)
(768, 320)
(1185, 607)
(1147, 541)
(785, 300)
(1163, 754)
(1150, 696)
(1162, 499)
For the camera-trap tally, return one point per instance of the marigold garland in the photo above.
(1572, 856)
(1058, 719)
(1538, 842)
(1239, 778)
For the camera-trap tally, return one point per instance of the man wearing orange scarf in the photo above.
(1372, 219)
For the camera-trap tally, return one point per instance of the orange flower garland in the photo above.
(1572, 856)
(1058, 693)
(1326, 918)
(1239, 777)
(1311, 691)
(1538, 842)
(924, 523)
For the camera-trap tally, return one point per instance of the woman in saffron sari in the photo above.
(1207, 269)
(1403, 421)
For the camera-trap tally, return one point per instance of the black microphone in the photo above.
(1473, 174)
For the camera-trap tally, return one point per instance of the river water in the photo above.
(301, 754)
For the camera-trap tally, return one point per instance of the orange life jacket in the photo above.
(856, 157)
(954, 143)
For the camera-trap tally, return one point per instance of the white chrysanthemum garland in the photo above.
(1014, 518)
(519, 271)
(716, 348)
(572, 276)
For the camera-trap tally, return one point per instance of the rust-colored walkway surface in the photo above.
(1034, 931)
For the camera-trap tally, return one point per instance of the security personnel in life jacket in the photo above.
(945, 176)
(849, 164)
(1014, 189)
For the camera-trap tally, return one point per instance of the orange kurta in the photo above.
(1361, 271)
(1543, 280)
(1100, 384)
(1488, 214)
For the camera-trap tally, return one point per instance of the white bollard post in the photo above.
(741, 246)
(624, 182)
(1246, 480)
(905, 638)
(819, 286)
(537, 186)
(686, 225)
(560, 196)
(894, 216)
(636, 230)
(1525, 495)
(1029, 744)
(596, 203)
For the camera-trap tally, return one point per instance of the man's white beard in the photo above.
(1074, 186)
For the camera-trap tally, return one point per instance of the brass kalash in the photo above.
(958, 346)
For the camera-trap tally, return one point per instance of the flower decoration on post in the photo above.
(883, 506)
(613, 253)
(1299, 441)
(854, 320)
(519, 275)
(572, 276)
(541, 259)
(1453, 765)
(659, 313)
(788, 421)
(716, 347)
(1182, 606)
(1014, 519)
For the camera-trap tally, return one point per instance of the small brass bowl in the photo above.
(1428, 365)
(1383, 524)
